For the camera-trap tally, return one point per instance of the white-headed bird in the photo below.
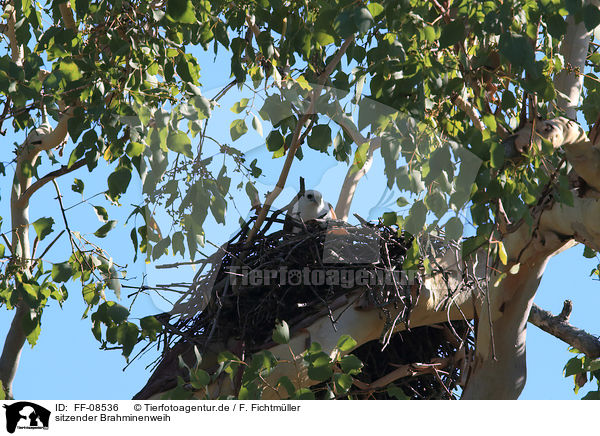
(308, 207)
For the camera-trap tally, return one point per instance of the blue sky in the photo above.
(67, 364)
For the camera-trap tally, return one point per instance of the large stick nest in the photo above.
(244, 289)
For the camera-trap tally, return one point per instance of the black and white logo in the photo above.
(26, 415)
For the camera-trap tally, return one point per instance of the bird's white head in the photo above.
(313, 196)
(311, 205)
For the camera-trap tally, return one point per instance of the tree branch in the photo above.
(49, 177)
(67, 15)
(13, 345)
(407, 370)
(16, 49)
(45, 137)
(560, 328)
(342, 207)
(295, 142)
(470, 111)
(569, 81)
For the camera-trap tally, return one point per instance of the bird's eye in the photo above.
(310, 196)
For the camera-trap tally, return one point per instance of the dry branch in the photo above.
(559, 327)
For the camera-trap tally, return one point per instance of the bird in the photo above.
(309, 206)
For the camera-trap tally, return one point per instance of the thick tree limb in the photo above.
(342, 207)
(11, 352)
(569, 81)
(295, 142)
(17, 50)
(51, 176)
(559, 327)
(569, 136)
(470, 111)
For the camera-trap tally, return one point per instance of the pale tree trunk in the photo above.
(499, 368)
(43, 138)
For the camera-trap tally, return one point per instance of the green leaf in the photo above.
(497, 155)
(557, 26)
(502, 253)
(320, 137)
(375, 8)
(199, 378)
(320, 373)
(472, 244)
(573, 366)
(343, 383)
(127, 336)
(118, 182)
(429, 32)
(281, 333)
(77, 186)
(519, 52)
(103, 230)
(186, 70)
(589, 252)
(401, 201)
(43, 227)
(179, 142)
(591, 16)
(32, 291)
(412, 258)
(203, 105)
(240, 106)
(389, 218)
(117, 313)
(397, 393)
(416, 218)
(592, 395)
(218, 208)
(323, 38)
(257, 125)
(346, 343)
(490, 121)
(90, 296)
(61, 272)
(452, 33)
(351, 364)
(177, 243)
(134, 149)
(274, 140)
(70, 70)
(101, 213)
(363, 19)
(436, 202)
(150, 323)
(32, 329)
(344, 24)
(304, 394)
(453, 228)
(237, 129)
(288, 385)
(150, 327)
(181, 11)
